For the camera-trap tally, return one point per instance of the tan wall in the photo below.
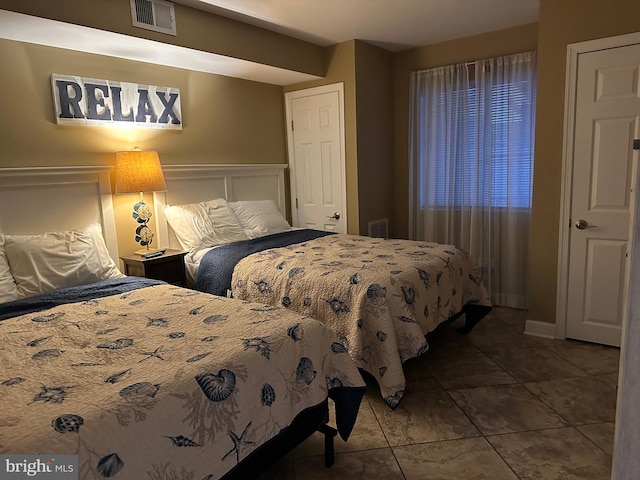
(374, 107)
(219, 115)
(340, 61)
(561, 23)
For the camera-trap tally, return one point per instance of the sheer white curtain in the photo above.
(471, 163)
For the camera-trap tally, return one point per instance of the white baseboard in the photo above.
(540, 329)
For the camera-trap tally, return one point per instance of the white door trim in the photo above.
(573, 51)
(289, 97)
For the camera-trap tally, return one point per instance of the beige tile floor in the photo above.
(494, 404)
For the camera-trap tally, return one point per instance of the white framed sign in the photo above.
(94, 102)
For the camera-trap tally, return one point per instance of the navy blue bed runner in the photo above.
(44, 301)
(216, 268)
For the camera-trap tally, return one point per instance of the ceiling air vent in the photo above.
(156, 15)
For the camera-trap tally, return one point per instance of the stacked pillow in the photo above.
(259, 217)
(8, 289)
(216, 222)
(32, 264)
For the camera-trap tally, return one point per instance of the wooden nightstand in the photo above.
(168, 267)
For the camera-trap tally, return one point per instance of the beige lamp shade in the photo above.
(139, 171)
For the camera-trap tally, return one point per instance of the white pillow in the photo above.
(48, 261)
(259, 217)
(204, 224)
(8, 290)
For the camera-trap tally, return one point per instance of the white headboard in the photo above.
(44, 199)
(198, 183)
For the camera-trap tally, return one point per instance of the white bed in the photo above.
(381, 296)
(151, 379)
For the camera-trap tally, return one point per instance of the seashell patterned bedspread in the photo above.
(380, 296)
(164, 382)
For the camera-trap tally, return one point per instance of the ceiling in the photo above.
(392, 24)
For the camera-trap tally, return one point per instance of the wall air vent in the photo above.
(379, 228)
(156, 15)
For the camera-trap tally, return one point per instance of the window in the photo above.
(496, 170)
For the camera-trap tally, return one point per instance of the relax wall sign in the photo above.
(89, 101)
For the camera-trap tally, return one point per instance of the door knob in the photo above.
(335, 216)
(582, 224)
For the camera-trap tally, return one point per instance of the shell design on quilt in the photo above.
(267, 395)
(13, 381)
(296, 332)
(405, 319)
(409, 295)
(354, 279)
(333, 383)
(286, 302)
(215, 318)
(304, 371)
(140, 390)
(260, 344)
(424, 276)
(116, 377)
(118, 344)
(110, 465)
(263, 287)
(295, 271)
(337, 347)
(157, 322)
(423, 349)
(52, 394)
(474, 279)
(335, 263)
(338, 306)
(182, 441)
(47, 318)
(376, 291)
(217, 387)
(67, 422)
(195, 358)
(394, 400)
(37, 341)
(49, 353)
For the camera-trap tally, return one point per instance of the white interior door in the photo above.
(316, 158)
(607, 111)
